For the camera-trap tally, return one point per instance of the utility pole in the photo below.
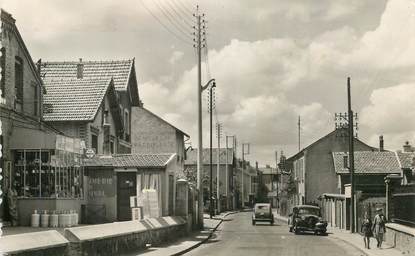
(198, 45)
(211, 213)
(276, 170)
(243, 170)
(299, 133)
(351, 157)
(227, 170)
(218, 125)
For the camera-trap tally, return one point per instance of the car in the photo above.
(307, 218)
(262, 212)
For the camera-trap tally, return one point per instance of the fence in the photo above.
(403, 205)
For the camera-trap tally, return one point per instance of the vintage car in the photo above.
(307, 218)
(262, 212)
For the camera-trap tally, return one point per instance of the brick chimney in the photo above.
(381, 143)
(80, 69)
(407, 147)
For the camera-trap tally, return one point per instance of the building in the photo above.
(371, 169)
(37, 158)
(246, 184)
(125, 90)
(114, 180)
(270, 178)
(226, 173)
(152, 135)
(313, 166)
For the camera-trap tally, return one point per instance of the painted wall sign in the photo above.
(101, 184)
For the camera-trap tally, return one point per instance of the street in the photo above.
(237, 236)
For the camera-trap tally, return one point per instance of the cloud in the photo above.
(175, 57)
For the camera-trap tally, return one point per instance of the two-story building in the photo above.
(37, 158)
(125, 96)
(313, 166)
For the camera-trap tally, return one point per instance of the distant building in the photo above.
(270, 179)
(226, 173)
(313, 170)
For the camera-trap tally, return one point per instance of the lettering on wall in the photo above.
(101, 184)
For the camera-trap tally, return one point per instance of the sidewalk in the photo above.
(188, 243)
(355, 240)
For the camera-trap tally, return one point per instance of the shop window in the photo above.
(18, 79)
(94, 142)
(47, 174)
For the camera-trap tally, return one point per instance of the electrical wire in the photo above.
(177, 24)
(176, 9)
(184, 7)
(165, 26)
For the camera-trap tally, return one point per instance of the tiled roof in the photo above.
(406, 159)
(73, 100)
(192, 156)
(368, 162)
(119, 70)
(130, 160)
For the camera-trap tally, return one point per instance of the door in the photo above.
(126, 187)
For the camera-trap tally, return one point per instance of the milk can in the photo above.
(35, 219)
(62, 219)
(44, 219)
(54, 220)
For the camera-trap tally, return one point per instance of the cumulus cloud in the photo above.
(175, 57)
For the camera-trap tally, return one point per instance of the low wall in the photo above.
(401, 237)
(123, 237)
(37, 243)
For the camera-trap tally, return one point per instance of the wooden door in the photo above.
(126, 187)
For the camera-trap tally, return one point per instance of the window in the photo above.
(127, 125)
(35, 99)
(47, 173)
(18, 79)
(112, 147)
(3, 70)
(94, 142)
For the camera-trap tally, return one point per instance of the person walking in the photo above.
(379, 226)
(366, 230)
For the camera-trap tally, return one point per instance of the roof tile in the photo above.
(368, 162)
(130, 160)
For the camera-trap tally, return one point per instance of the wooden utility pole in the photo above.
(243, 170)
(218, 167)
(351, 157)
(210, 151)
(299, 133)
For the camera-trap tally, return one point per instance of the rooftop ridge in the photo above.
(88, 61)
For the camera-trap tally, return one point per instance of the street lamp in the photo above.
(211, 81)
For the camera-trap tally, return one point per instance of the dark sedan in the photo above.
(307, 218)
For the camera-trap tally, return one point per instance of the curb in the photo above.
(351, 244)
(206, 239)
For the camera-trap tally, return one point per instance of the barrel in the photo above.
(54, 220)
(35, 219)
(44, 219)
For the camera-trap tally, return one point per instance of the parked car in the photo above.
(262, 212)
(307, 218)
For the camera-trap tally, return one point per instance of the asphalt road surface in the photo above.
(236, 236)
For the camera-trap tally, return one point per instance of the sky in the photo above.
(273, 61)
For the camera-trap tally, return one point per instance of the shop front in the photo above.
(117, 184)
(47, 175)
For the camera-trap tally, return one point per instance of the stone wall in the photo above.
(401, 237)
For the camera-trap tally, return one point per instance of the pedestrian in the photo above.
(379, 226)
(366, 230)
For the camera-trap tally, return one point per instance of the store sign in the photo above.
(101, 184)
(89, 152)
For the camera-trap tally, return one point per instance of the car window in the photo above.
(304, 211)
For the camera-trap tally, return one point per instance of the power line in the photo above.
(182, 15)
(189, 12)
(164, 26)
(178, 25)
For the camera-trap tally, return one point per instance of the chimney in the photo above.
(381, 143)
(80, 69)
(407, 147)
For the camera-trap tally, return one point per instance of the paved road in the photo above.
(238, 237)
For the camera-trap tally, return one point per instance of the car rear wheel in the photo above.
(291, 229)
(253, 223)
(296, 231)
